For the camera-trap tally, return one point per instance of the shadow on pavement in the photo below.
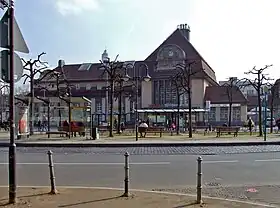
(89, 202)
(186, 205)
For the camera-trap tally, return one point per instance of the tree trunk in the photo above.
(31, 110)
(230, 113)
(178, 113)
(190, 113)
(120, 111)
(271, 113)
(111, 108)
(260, 113)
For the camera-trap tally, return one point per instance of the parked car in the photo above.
(268, 122)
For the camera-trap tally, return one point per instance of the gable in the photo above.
(177, 39)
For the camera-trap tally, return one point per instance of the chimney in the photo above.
(185, 30)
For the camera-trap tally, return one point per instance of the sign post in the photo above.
(11, 38)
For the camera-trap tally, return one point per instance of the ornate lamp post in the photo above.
(136, 80)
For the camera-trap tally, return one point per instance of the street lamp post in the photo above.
(111, 76)
(136, 78)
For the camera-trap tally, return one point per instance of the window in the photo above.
(212, 114)
(98, 105)
(184, 99)
(224, 114)
(88, 86)
(156, 92)
(132, 114)
(168, 89)
(77, 86)
(161, 92)
(236, 113)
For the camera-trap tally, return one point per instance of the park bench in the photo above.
(64, 130)
(60, 132)
(154, 130)
(103, 129)
(225, 129)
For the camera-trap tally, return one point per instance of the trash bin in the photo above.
(94, 133)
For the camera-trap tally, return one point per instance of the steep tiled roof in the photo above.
(94, 72)
(179, 39)
(219, 95)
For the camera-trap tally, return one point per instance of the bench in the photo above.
(74, 129)
(225, 129)
(155, 130)
(61, 133)
(103, 129)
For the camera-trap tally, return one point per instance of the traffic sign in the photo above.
(19, 42)
(5, 66)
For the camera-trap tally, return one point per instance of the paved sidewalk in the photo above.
(87, 198)
(123, 141)
(268, 194)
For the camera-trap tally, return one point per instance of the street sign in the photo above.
(19, 42)
(5, 66)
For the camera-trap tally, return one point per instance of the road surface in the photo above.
(147, 171)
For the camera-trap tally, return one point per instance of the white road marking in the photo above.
(75, 164)
(219, 161)
(268, 160)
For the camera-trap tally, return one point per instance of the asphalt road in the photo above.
(146, 171)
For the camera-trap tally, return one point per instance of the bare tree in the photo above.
(258, 83)
(231, 88)
(61, 91)
(176, 83)
(111, 70)
(120, 93)
(185, 72)
(34, 68)
(273, 91)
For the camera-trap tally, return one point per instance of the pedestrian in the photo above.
(44, 123)
(250, 125)
(39, 125)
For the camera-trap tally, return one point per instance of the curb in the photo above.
(158, 144)
(154, 192)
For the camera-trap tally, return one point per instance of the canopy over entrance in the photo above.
(166, 110)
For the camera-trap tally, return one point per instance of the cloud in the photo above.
(68, 7)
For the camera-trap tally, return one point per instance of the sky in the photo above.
(233, 36)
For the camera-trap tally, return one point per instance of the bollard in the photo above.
(199, 181)
(52, 177)
(126, 174)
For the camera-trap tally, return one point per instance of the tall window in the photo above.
(224, 114)
(123, 109)
(184, 99)
(168, 90)
(236, 113)
(132, 108)
(174, 96)
(161, 92)
(156, 92)
(98, 105)
(212, 114)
